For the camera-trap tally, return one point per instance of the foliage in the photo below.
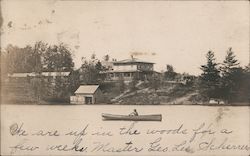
(40, 88)
(90, 71)
(154, 82)
(42, 58)
(22, 59)
(132, 84)
(74, 81)
(170, 74)
(229, 63)
(231, 76)
(57, 58)
(106, 57)
(230, 82)
(121, 85)
(210, 78)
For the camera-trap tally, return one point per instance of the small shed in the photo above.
(87, 94)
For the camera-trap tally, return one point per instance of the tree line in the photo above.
(227, 81)
(39, 58)
(42, 57)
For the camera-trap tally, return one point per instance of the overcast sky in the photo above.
(165, 32)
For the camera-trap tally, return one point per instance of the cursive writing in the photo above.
(107, 147)
(23, 147)
(202, 130)
(212, 145)
(178, 130)
(78, 134)
(75, 147)
(129, 130)
(15, 129)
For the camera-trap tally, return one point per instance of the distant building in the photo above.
(129, 69)
(48, 76)
(87, 94)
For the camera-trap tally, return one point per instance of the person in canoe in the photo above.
(134, 113)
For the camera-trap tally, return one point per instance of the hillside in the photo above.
(167, 93)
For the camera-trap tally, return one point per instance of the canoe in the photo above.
(152, 117)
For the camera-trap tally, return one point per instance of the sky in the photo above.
(164, 32)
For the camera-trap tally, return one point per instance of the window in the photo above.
(117, 74)
(127, 74)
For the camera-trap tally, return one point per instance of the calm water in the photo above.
(68, 117)
(93, 112)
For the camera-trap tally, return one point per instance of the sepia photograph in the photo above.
(125, 77)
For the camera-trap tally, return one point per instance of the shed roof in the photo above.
(86, 89)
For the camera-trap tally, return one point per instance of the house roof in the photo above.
(86, 89)
(132, 60)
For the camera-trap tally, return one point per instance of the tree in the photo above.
(170, 68)
(21, 60)
(229, 63)
(244, 89)
(100, 68)
(93, 56)
(58, 58)
(3, 67)
(90, 71)
(170, 74)
(39, 58)
(231, 75)
(74, 80)
(210, 78)
(106, 58)
(38, 50)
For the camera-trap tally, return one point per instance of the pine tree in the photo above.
(210, 78)
(231, 73)
(230, 63)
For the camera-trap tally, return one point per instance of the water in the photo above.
(68, 117)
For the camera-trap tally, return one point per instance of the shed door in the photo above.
(88, 100)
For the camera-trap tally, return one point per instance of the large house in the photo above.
(130, 68)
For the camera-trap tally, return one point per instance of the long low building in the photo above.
(26, 76)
